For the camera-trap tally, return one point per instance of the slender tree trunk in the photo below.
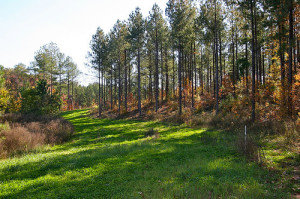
(179, 79)
(115, 86)
(224, 72)
(253, 62)
(192, 69)
(173, 73)
(51, 83)
(150, 77)
(263, 69)
(60, 73)
(221, 76)
(298, 54)
(282, 68)
(260, 65)
(156, 72)
(233, 68)
(236, 55)
(208, 76)
(139, 81)
(72, 92)
(216, 60)
(195, 68)
(201, 73)
(256, 45)
(111, 87)
(119, 90)
(162, 72)
(290, 75)
(68, 76)
(102, 88)
(184, 71)
(129, 79)
(105, 92)
(126, 94)
(213, 68)
(99, 91)
(167, 73)
(294, 51)
(247, 69)
(233, 60)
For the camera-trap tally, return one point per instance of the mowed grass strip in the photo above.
(113, 159)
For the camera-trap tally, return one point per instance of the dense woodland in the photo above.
(238, 57)
(228, 56)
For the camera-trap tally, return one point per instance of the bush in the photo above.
(58, 131)
(23, 133)
(19, 139)
(38, 100)
(4, 97)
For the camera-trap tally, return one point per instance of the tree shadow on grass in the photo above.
(198, 165)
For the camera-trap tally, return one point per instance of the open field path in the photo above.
(114, 159)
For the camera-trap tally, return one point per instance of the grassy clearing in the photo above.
(113, 159)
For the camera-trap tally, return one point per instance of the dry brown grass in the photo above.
(27, 132)
(58, 131)
(19, 139)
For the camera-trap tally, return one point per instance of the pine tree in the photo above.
(136, 32)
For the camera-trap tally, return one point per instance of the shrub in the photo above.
(22, 133)
(19, 139)
(4, 97)
(58, 131)
(38, 100)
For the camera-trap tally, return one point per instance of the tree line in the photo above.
(237, 56)
(48, 83)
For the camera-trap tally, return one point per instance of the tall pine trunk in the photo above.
(233, 62)
(195, 68)
(201, 73)
(167, 73)
(139, 80)
(162, 72)
(99, 91)
(179, 79)
(173, 79)
(119, 90)
(220, 49)
(150, 77)
(236, 55)
(191, 75)
(216, 60)
(253, 62)
(156, 72)
(247, 69)
(111, 87)
(290, 75)
(125, 83)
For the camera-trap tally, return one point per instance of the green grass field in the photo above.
(113, 159)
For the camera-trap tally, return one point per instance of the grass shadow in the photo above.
(113, 159)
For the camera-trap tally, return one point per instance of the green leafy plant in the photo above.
(39, 100)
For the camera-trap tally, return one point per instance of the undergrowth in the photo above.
(261, 143)
(22, 133)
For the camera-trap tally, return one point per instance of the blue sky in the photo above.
(25, 25)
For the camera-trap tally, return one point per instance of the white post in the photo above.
(245, 137)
